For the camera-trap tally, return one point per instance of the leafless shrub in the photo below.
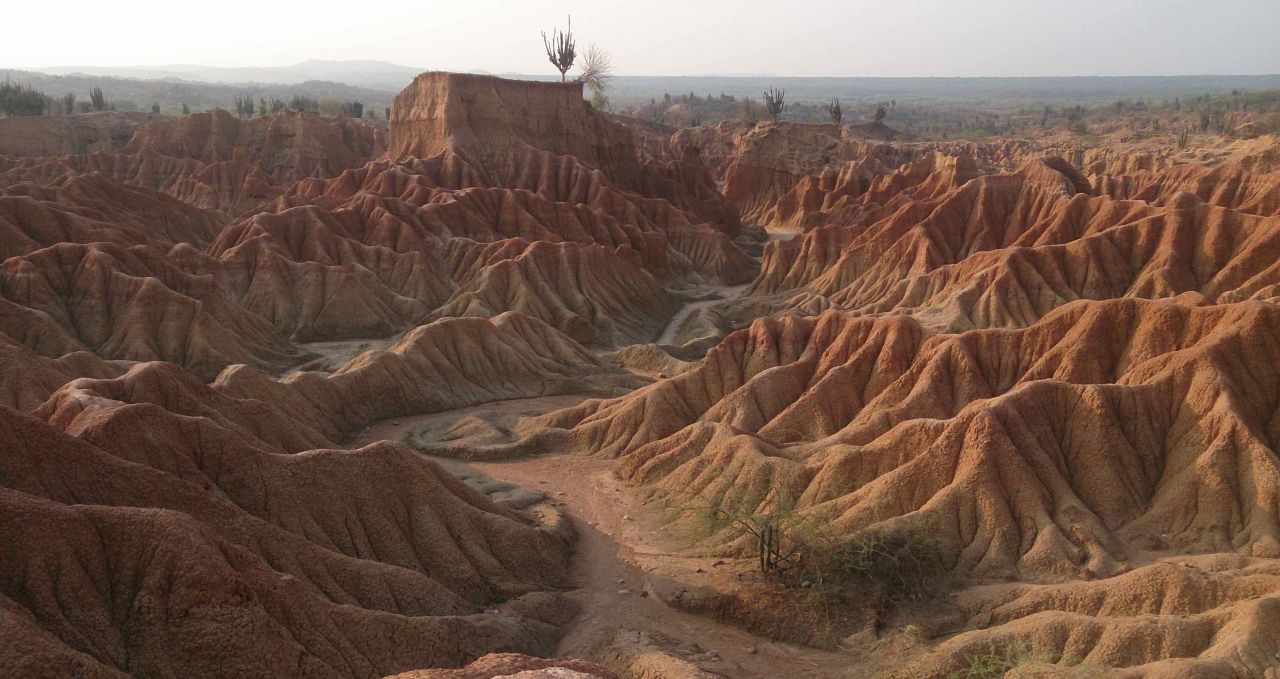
(597, 68)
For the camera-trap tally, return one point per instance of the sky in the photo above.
(667, 37)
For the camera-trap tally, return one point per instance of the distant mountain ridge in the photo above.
(363, 73)
(374, 82)
(172, 93)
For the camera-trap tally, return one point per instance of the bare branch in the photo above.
(597, 68)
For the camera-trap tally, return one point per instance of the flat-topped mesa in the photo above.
(543, 137)
(475, 114)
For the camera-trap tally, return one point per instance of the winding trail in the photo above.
(615, 552)
(722, 293)
(715, 294)
(613, 556)
(611, 583)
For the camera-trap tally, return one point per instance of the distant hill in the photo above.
(375, 82)
(989, 92)
(138, 94)
(378, 75)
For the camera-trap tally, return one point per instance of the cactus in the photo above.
(23, 100)
(835, 111)
(774, 103)
(561, 49)
(301, 103)
(244, 106)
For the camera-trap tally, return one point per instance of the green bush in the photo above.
(879, 569)
(23, 100)
(304, 103)
(995, 661)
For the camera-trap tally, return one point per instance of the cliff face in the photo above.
(211, 159)
(287, 146)
(543, 137)
(478, 114)
(29, 136)
(513, 196)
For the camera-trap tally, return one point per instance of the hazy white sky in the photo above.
(666, 37)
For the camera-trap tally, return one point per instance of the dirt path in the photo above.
(783, 232)
(331, 355)
(612, 584)
(716, 294)
(613, 554)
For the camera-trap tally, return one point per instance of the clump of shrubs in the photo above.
(877, 569)
(304, 103)
(996, 660)
(23, 100)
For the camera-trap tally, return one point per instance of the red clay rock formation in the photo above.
(199, 515)
(1119, 421)
(1105, 435)
(189, 547)
(774, 171)
(1069, 377)
(1226, 185)
(515, 666)
(287, 146)
(133, 304)
(215, 160)
(495, 124)
(93, 209)
(594, 295)
(771, 159)
(32, 136)
(27, 378)
(450, 363)
(365, 255)
(1180, 617)
(1003, 250)
(542, 138)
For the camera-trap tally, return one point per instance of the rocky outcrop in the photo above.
(785, 175)
(217, 161)
(1003, 250)
(1102, 431)
(187, 546)
(514, 133)
(1227, 185)
(514, 665)
(1066, 378)
(36, 136)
